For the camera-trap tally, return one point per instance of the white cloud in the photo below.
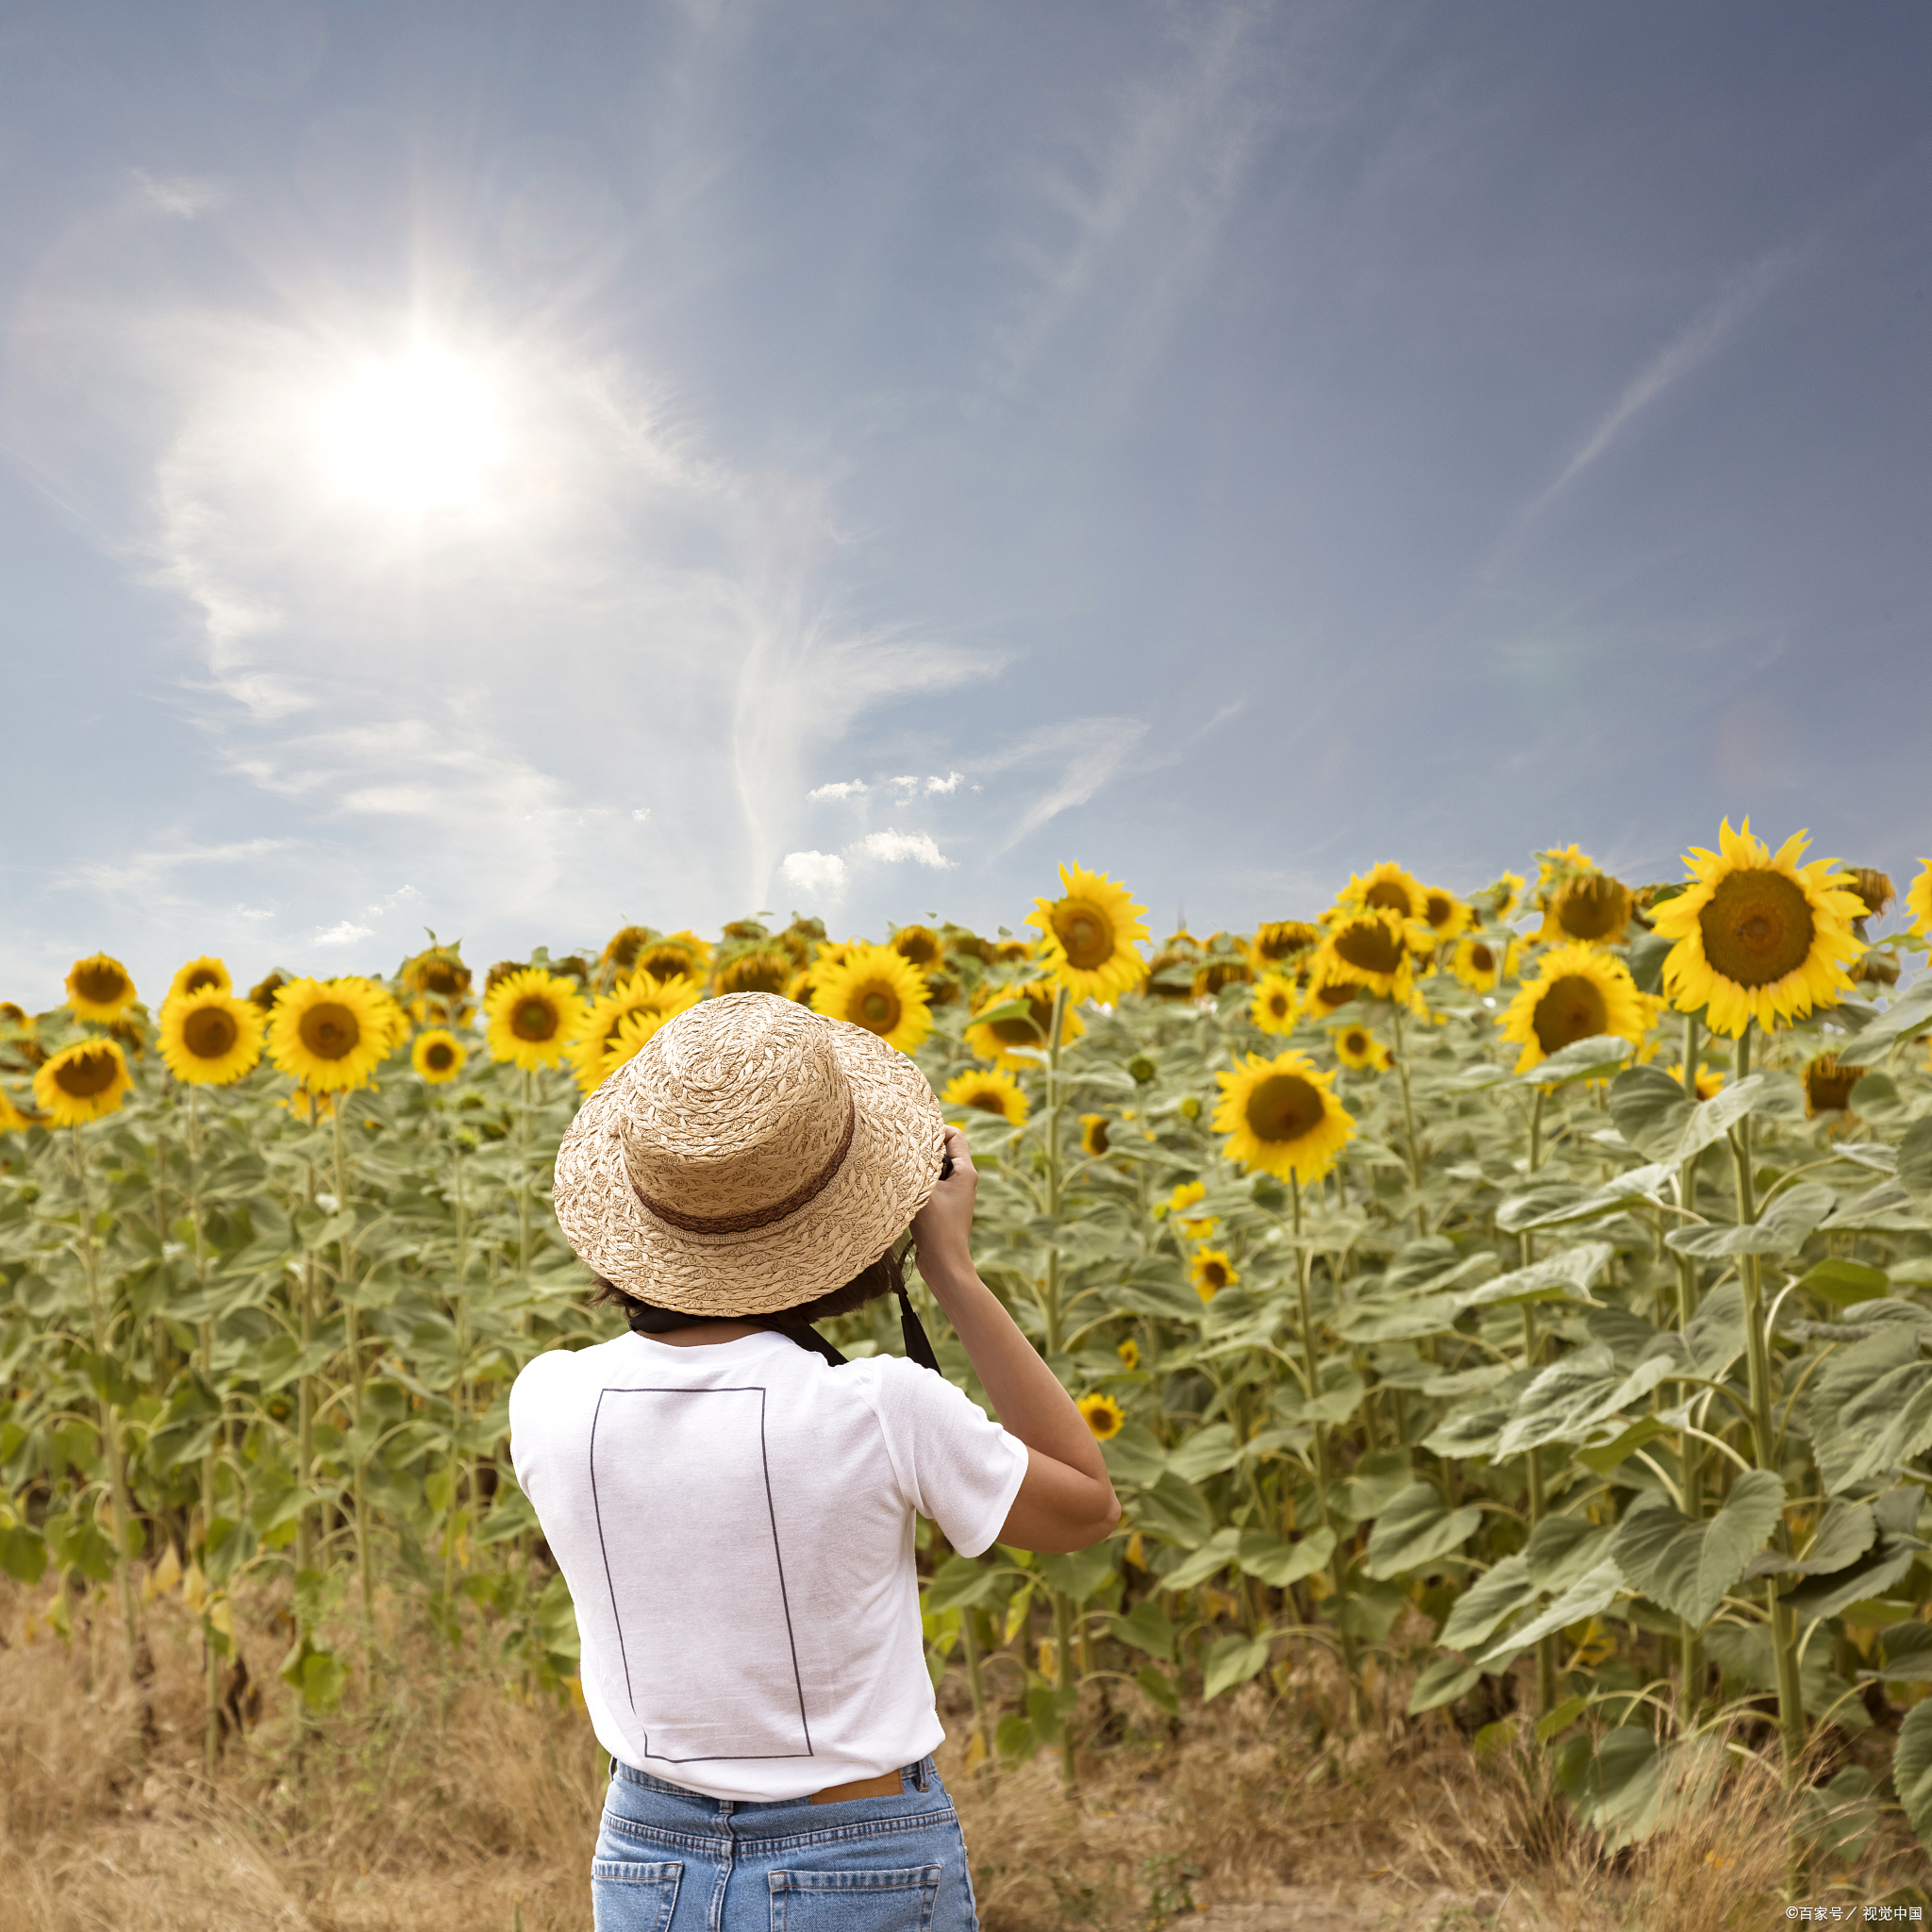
(401, 896)
(184, 197)
(822, 873)
(888, 847)
(843, 788)
(910, 781)
(949, 783)
(343, 934)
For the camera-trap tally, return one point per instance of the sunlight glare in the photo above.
(420, 433)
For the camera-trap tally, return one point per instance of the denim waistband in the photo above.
(921, 1776)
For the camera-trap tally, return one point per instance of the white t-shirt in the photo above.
(734, 1523)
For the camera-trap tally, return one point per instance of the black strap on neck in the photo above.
(643, 1320)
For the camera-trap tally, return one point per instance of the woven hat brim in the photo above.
(888, 1174)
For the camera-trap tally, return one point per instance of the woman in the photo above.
(732, 1503)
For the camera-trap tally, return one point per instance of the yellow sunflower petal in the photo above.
(878, 989)
(197, 976)
(81, 1083)
(209, 1036)
(1089, 936)
(99, 989)
(533, 1016)
(438, 1056)
(1578, 991)
(988, 1090)
(1276, 1004)
(1015, 1042)
(330, 1034)
(1281, 1116)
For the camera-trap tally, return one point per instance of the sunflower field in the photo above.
(1510, 1311)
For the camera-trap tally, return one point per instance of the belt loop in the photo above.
(919, 1771)
(613, 1764)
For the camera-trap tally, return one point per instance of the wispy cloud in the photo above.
(843, 788)
(1083, 753)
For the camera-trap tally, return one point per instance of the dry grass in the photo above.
(480, 1816)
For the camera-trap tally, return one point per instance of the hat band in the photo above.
(759, 1217)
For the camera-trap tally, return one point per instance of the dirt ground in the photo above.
(447, 1800)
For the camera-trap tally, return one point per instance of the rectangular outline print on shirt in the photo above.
(777, 1560)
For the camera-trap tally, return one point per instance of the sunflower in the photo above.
(876, 988)
(1283, 941)
(761, 970)
(1177, 1203)
(920, 944)
(943, 989)
(1874, 888)
(1129, 1353)
(1010, 951)
(1094, 1134)
(1103, 1415)
(82, 1083)
(1828, 1085)
(1481, 964)
(742, 932)
(1211, 1271)
(1332, 988)
(12, 1121)
(1759, 936)
(591, 1045)
(1281, 1116)
(1919, 900)
(1357, 1047)
(1276, 1005)
(1444, 914)
(620, 955)
(1164, 979)
(1218, 971)
(963, 943)
(988, 1092)
(193, 976)
(1373, 949)
(1385, 888)
(1005, 1041)
(1088, 934)
(1578, 993)
(675, 953)
(1586, 905)
(1710, 1083)
(99, 989)
(438, 1056)
(1499, 898)
(261, 995)
(330, 1034)
(209, 1036)
(439, 983)
(533, 1016)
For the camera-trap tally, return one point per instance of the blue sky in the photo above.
(518, 469)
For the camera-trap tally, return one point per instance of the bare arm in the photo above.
(1066, 1501)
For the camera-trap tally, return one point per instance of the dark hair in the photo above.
(887, 1275)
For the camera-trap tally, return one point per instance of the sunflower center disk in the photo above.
(440, 1057)
(82, 1079)
(534, 1020)
(101, 984)
(878, 1007)
(1572, 1010)
(331, 1032)
(208, 1033)
(1284, 1107)
(1593, 908)
(197, 981)
(1482, 958)
(1386, 896)
(1086, 935)
(1757, 928)
(1369, 947)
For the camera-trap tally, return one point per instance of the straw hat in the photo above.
(751, 1156)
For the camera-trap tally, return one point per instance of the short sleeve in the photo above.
(954, 1464)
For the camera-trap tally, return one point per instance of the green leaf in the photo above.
(1563, 1549)
(1657, 1117)
(1846, 1532)
(1838, 1819)
(1207, 1451)
(1783, 1227)
(1613, 1781)
(23, 1553)
(1175, 1508)
(1606, 1455)
(1443, 1682)
(1911, 1769)
(1871, 1408)
(1374, 1483)
(1080, 1574)
(1915, 1160)
(1134, 1455)
(1635, 1184)
(1282, 1563)
(1907, 1014)
(1160, 1687)
(1687, 1564)
(1562, 1277)
(1416, 1529)
(1146, 1627)
(1485, 1603)
(1232, 1661)
(1559, 1718)
(1587, 1597)
(960, 1581)
(1907, 1649)
(1369, 1614)
(1583, 1060)
(1014, 1739)
(1871, 1576)
(1843, 1283)
(1213, 1557)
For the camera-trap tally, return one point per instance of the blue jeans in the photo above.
(670, 1860)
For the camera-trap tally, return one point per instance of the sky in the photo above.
(519, 469)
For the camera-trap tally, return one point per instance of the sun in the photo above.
(418, 433)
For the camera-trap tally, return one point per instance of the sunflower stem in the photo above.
(1415, 1164)
(969, 1634)
(1533, 1465)
(211, 1662)
(523, 1206)
(1062, 1606)
(359, 1491)
(1338, 1569)
(1790, 1704)
(1690, 1452)
(111, 1414)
